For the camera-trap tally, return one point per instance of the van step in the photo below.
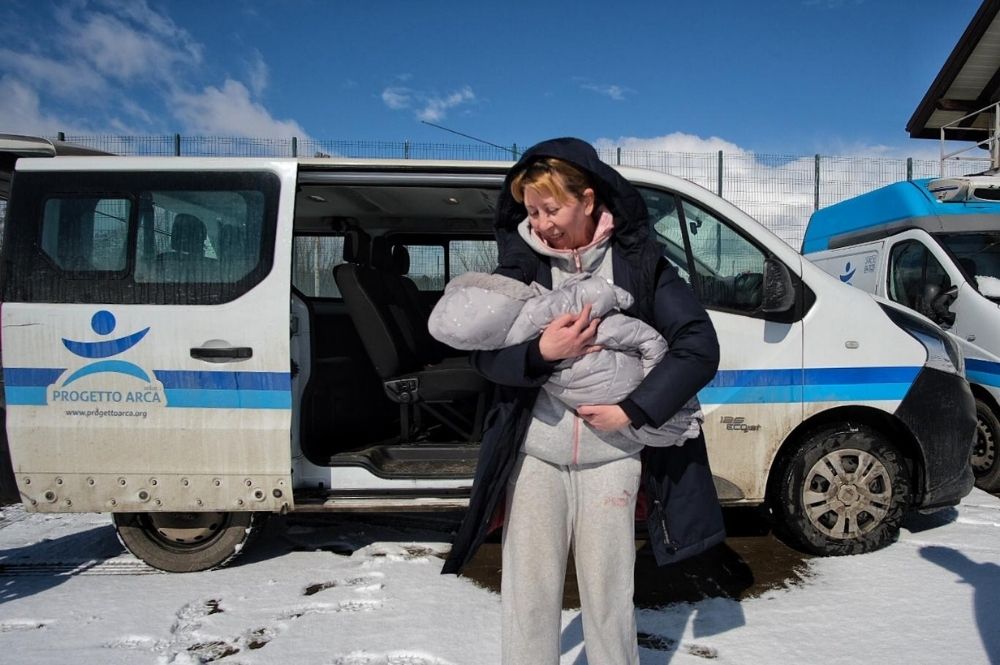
(419, 461)
(406, 500)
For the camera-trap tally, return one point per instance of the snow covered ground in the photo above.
(367, 593)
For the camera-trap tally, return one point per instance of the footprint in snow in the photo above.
(412, 552)
(656, 642)
(333, 608)
(363, 584)
(393, 658)
(701, 651)
(135, 642)
(189, 617)
(21, 624)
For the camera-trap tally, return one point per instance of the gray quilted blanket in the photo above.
(479, 311)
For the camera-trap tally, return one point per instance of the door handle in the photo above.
(221, 354)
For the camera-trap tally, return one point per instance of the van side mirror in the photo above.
(938, 303)
(779, 291)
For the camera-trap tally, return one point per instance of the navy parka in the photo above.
(683, 517)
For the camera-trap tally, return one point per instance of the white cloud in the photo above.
(779, 191)
(125, 52)
(230, 111)
(22, 113)
(615, 92)
(396, 97)
(63, 79)
(259, 73)
(435, 108)
(430, 107)
(127, 67)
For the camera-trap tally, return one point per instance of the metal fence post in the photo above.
(177, 145)
(295, 148)
(909, 168)
(406, 149)
(514, 151)
(618, 156)
(816, 188)
(720, 174)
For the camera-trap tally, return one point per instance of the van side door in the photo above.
(146, 335)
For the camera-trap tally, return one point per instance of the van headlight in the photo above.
(943, 353)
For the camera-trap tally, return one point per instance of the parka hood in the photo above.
(631, 230)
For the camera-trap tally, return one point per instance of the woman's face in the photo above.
(563, 225)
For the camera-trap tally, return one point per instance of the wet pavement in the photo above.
(750, 562)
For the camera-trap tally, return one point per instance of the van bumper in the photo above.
(940, 412)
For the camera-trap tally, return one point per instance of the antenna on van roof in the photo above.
(469, 136)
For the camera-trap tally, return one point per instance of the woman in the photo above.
(568, 479)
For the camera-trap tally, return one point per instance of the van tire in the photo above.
(985, 456)
(825, 464)
(187, 542)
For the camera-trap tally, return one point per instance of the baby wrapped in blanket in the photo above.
(480, 311)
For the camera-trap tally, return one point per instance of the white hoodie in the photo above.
(556, 434)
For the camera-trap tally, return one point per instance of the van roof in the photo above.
(885, 211)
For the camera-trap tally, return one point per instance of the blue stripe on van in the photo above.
(827, 384)
(983, 372)
(30, 376)
(229, 399)
(224, 380)
(183, 389)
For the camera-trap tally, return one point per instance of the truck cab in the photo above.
(932, 246)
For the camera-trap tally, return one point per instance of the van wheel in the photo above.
(985, 460)
(844, 491)
(186, 542)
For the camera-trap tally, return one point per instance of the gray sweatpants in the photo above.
(549, 509)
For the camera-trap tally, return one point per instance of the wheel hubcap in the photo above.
(847, 493)
(984, 453)
(187, 528)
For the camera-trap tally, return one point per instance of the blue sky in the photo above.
(771, 76)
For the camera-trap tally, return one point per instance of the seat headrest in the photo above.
(400, 259)
(381, 259)
(188, 234)
(357, 247)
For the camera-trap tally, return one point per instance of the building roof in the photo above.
(968, 82)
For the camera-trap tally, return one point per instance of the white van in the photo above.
(932, 246)
(191, 344)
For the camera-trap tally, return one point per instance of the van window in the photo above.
(165, 238)
(915, 276)
(427, 269)
(663, 212)
(86, 234)
(313, 261)
(198, 237)
(471, 256)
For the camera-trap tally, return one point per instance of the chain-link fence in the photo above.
(781, 191)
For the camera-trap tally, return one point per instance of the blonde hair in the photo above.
(553, 177)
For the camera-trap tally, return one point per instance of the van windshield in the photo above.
(979, 256)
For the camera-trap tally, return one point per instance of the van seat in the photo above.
(391, 334)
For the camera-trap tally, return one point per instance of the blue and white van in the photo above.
(191, 344)
(932, 246)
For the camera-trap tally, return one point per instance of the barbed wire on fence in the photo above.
(780, 191)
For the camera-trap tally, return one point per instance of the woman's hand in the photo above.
(604, 417)
(569, 336)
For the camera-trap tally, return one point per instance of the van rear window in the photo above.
(137, 238)
(86, 234)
